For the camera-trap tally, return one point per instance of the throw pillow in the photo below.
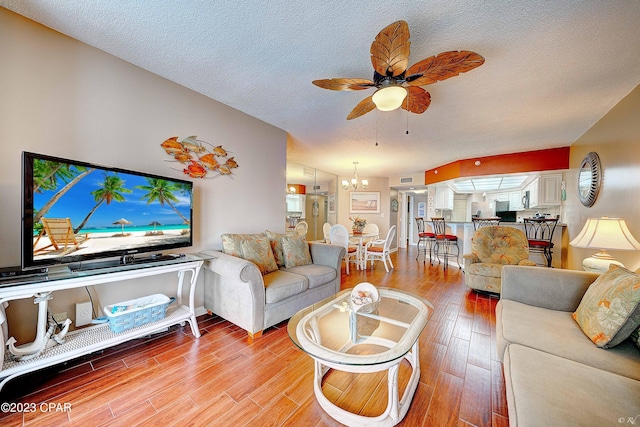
(635, 337)
(296, 251)
(610, 309)
(231, 242)
(259, 252)
(275, 240)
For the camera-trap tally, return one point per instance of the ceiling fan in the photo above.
(396, 85)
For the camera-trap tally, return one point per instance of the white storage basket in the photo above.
(137, 312)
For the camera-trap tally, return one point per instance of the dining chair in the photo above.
(339, 235)
(326, 227)
(445, 240)
(372, 231)
(301, 228)
(380, 250)
(426, 237)
(539, 233)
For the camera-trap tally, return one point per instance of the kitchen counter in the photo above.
(464, 231)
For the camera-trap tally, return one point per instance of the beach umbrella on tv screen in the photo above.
(154, 223)
(122, 222)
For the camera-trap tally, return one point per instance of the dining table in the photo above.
(359, 240)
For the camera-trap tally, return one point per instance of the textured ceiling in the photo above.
(553, 68)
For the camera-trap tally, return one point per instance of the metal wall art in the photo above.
(589, 179)
(199, 161)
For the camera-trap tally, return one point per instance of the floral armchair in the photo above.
(491, 248)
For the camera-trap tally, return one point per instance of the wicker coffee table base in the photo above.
(396, 408)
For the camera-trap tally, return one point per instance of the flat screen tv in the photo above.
(74, 212)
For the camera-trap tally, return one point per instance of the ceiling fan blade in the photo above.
(443, 66)
(344, 84)
(362, 108)
(417, 100)
(390, 50)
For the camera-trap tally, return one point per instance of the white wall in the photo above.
(64, 98)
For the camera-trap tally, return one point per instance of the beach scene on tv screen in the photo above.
(84, 210)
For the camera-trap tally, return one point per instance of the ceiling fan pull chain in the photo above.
(377, 121)
(407, 122)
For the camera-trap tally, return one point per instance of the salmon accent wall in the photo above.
(528, 161)
(299, 188)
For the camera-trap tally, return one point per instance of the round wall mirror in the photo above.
(589, 178)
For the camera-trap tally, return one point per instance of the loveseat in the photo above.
(260, 280)
(556, 374)
(493, 247)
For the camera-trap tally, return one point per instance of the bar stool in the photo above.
(485, 222)
(446, 240)
(428, 238)
(539, 232)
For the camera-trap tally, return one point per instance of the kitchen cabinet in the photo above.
(549, 190)
(515, 201)
(544, 191)
(295, 202)
(500, 197)
(444, 198)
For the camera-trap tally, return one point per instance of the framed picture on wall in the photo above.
(421, 210)
(364, 202)
(332, 203)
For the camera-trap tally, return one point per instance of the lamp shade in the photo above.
(389, 98)
(606, 233)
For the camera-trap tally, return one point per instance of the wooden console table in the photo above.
(88, 340)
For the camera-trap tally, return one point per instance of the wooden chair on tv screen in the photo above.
(60, 234)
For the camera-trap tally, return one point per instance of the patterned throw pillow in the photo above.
(231, 242)
(259, 252)
(275, 239)
(296, 251)
(635, 337)
(610, 309)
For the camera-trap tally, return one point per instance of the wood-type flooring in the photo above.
(221, 379)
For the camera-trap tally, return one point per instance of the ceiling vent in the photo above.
(407, 180)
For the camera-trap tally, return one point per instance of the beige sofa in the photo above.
(236, 290)
(554, 374)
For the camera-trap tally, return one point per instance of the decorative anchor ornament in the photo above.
(45, 337)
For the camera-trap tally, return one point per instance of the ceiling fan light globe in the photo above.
(389, 98)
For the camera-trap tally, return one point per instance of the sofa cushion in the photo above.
(231, 243)
(282, 284)
(485, 269)
(296, 251)
(259, 252)
(275, 239)
(610, 309)
(316, 274)
(547, 390)
(555, 332)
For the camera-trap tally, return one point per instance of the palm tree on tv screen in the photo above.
(111, 189)
(162, 191)
(46, 177)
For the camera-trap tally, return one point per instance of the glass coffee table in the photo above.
(372, 338)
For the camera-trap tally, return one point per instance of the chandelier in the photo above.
(354, 181)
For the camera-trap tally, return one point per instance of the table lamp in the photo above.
(604, 233)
